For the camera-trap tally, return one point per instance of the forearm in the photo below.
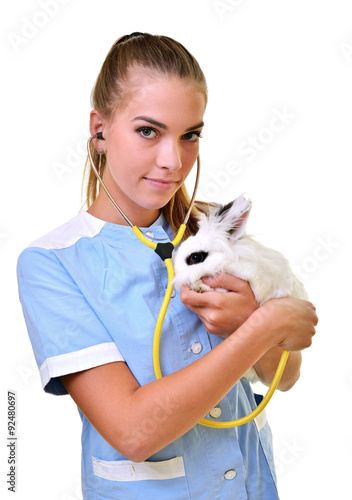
(139, 421)
(266, 367)
(193, 391)
(167, 408)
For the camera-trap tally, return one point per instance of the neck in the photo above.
(103, 209)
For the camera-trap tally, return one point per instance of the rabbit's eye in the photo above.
(196, 258)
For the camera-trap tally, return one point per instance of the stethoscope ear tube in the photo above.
(134, 228)
(95, 170)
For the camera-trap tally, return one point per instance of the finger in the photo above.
(314, 309)
(190, 298)
(194, 309)
(226, 281)
(205, 300)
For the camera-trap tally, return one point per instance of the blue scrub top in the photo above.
(91, 294)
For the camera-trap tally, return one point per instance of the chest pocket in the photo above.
(147, 480)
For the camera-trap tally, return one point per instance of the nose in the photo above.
(169, 156)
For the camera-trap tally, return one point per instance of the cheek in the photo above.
(189, 163)
(124, 162)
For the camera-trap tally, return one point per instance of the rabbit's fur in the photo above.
(222, 246)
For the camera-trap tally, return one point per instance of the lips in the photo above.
(161, 184)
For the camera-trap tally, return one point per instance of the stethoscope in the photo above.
(164, 250)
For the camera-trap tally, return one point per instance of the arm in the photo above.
(216, 310)
(138, 421)
(266, 367)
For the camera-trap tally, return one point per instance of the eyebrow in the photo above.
(162, 125)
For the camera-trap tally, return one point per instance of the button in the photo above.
(196, 347)
(230, 474)
(150, 234)
(173, 294)
(215, 412)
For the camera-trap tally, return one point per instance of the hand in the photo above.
(222, 313)
(290, 322)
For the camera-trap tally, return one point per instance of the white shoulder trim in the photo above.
(83, 225)
(260, 420)
(77, 361)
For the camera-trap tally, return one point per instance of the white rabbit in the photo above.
(221, 245)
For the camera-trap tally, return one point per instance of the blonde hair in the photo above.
(111, 91)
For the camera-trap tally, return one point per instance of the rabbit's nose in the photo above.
(196, 258)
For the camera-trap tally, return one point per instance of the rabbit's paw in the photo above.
(200, 287)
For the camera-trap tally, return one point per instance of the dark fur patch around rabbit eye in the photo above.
(196, 258)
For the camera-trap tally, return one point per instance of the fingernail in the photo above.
(206, 280)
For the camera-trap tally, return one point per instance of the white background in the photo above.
(260, 59)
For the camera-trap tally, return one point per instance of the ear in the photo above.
(96, 124)
(234, 216)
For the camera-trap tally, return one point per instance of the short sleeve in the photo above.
(66, 334)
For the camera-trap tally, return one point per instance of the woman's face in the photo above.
(152, 144)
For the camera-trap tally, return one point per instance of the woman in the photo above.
(91, 293)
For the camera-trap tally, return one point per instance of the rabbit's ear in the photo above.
(234, 216)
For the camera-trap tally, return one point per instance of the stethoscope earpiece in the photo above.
(100, 136)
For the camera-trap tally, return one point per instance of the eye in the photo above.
(147, 132)
(196, 258)
(192, 136)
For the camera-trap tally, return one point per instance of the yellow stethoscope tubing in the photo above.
(158, 374)
(262, 404)
(153, 245)
(167, 297)
(160, 320)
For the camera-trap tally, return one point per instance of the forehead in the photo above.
(149, 92)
